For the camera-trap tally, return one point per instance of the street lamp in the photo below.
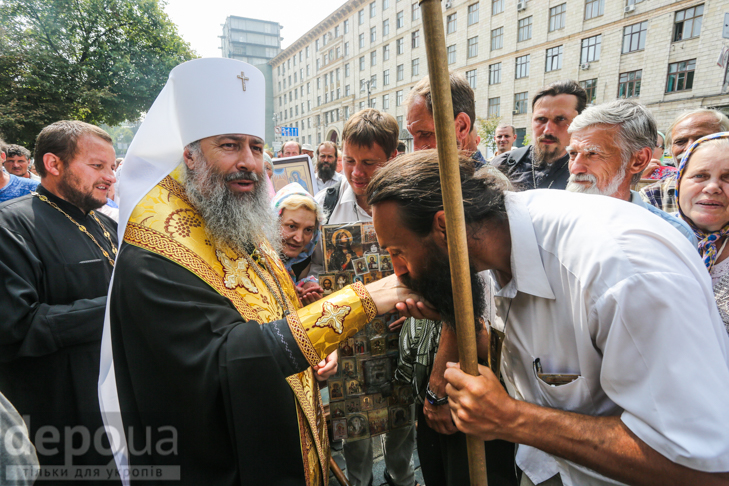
(362, 88)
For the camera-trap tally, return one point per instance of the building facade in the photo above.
(255, 42)
(662, 53)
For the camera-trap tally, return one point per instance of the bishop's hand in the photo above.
(390, 294)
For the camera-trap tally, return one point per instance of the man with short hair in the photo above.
(56, 259)
(401, 147)
(291, 148)
(326, 165)
(307, 149)
(12, 186)
(369, 142)
(504, 136)
(17, 162)
(685, 130)
(610, 147)
(544, 164)
(420, 121)
(601, 393)
(206, 345)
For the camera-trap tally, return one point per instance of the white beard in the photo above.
(238, 220)
(611, 188)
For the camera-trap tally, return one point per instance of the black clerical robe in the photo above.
(211, 388)
(53, 285)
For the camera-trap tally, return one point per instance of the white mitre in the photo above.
(202, 98)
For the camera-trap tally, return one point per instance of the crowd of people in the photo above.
(166, 322)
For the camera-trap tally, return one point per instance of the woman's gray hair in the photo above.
(636, 126)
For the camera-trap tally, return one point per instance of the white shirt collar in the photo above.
(527, 270)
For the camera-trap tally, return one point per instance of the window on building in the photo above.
(346, 49)
(361, 105)
(680, 76)
(525, 29)
(385, 77)
(373, 35)
(400, 20)
(497, 6)
(557, 16)
(318, 83)
(594, 8)
(590, 87)
(373, 9)
(522, 67)
(629, 84)
(472, 14)
(385, 4)
(308, 70)
(318, 65)
(521, 102)
(316, 45)
(451, 23)
(634, 37)
(400, 43)
(591, 49)
(373, 81)
(451, 51)
(415, 12)
(494, 107)
(346, 70)
(385, 28)
(346, 112)
(373, 58)
(386, 102)
(400, 72)
(347, 90)
(318, 100)
(415, 39)
(307, 52)
(360, 14)
(362, 63)
(497, 38)
(687, 24)
(495, 73)
(399, 122)
(398, 98)
(473, 47)
(361, 41)
(346, 26)
(373, 103)
(386, 53)
(554, 59)
(471, 77)
(415, 67)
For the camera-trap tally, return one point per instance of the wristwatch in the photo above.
(433, 399)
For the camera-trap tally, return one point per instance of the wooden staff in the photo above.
(450, 181)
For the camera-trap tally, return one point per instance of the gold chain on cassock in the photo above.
(83, 228)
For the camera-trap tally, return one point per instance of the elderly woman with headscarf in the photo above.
(299, 216)
(702, 192)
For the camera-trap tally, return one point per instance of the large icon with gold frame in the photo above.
(297, 169)
(342, 246)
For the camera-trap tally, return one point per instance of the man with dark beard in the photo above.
(326, 165)
(206, 344)
(56, 259)
(598, 395)
(544, 164)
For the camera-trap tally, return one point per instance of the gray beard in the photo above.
(237, 220)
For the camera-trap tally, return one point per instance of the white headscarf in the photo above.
(202, 98)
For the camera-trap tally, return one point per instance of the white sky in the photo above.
(199, 22)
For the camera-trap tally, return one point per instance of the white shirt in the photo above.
(345, 211)
(322, 186)
(605, 290)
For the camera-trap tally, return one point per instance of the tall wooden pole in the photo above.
(450, 181)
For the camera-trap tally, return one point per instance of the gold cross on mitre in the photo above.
(243, 78)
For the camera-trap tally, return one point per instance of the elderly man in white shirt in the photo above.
(603, 391)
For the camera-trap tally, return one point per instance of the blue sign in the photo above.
(289, 132)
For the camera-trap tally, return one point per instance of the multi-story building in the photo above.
(255, 42)
(663, 53)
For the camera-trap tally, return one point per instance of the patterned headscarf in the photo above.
(707, 241)
(281, 195)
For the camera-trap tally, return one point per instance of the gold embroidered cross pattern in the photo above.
(333, 316)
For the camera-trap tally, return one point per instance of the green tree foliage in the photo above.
(487, 130)
(100, 61)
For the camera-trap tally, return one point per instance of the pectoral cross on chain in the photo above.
(243, 78)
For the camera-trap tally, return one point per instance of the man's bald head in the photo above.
(291, 148)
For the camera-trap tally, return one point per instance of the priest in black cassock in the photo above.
(206, 345)
(56, 261)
